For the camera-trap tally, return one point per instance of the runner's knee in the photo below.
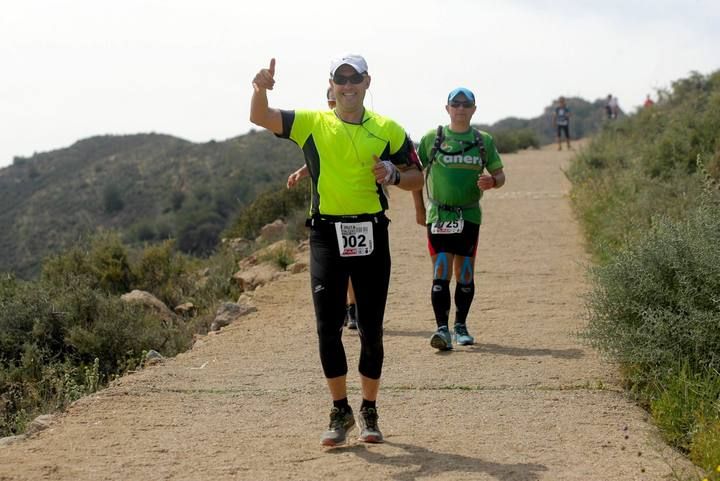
(441, 268)
(466, 271)
(332, 352)
(372, 353)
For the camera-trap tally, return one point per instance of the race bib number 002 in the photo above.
(355, 238)
(448, 227)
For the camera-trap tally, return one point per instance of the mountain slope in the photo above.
(148, 186)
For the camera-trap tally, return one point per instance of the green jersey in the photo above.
(452, 177)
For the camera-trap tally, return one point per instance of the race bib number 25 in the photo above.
(449, 227)
(354, 238)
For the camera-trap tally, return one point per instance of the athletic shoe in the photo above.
(462, 336)
(369, 430)
(442, 339)
(341, 422)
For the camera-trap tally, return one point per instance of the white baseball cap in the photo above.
(354, 60)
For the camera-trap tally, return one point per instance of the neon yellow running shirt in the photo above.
(339, 157)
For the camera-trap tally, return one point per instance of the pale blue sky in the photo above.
(72, 69)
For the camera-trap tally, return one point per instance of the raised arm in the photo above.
(260, 112)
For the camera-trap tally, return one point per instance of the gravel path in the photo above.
(527, 402)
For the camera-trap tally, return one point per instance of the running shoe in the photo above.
(462, 336)
(369, 430)
(341, 422)
(442, 339)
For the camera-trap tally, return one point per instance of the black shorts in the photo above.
(461, 244)
(563, 128)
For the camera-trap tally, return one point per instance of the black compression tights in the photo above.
(328, 280)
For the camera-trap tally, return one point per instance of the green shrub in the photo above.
(56, 386)
(705, 447)
(686, 405)
(143, 231)
(112, 199)
(120, 333)
(102, 260)
(273, 204)
(218, 285)
(509, 141)
(657, 301)
(282, 257)
(163, 271)
(67, 334)
(644, 166)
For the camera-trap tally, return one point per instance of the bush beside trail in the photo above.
(68, 333)
(646, 193)
(510, 141)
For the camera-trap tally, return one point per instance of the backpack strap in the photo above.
(480, 142)
(439, 137)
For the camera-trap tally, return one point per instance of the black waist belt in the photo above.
(455, 208)
(323, 219)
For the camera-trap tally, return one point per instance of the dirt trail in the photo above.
(527, 402)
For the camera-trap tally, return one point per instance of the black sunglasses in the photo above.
(354, 79)
(467, 104)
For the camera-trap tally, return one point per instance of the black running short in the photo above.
(461, 244)
(563, 128)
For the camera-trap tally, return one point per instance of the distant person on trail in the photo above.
(648, 102)
(561, 122)
(611, 107)
(454, 158)
(615, 107)
(351, 154)
(608, 107)
(293, 179)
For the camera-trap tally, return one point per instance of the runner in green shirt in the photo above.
(454, 158)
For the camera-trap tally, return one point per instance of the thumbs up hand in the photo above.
(265, 78)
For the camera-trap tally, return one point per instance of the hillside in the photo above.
(587, 118)
(147, 186)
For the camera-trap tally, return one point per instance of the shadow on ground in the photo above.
(418, 462)
(525, 351)
(484, 348)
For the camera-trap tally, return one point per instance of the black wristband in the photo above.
(396, 180)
